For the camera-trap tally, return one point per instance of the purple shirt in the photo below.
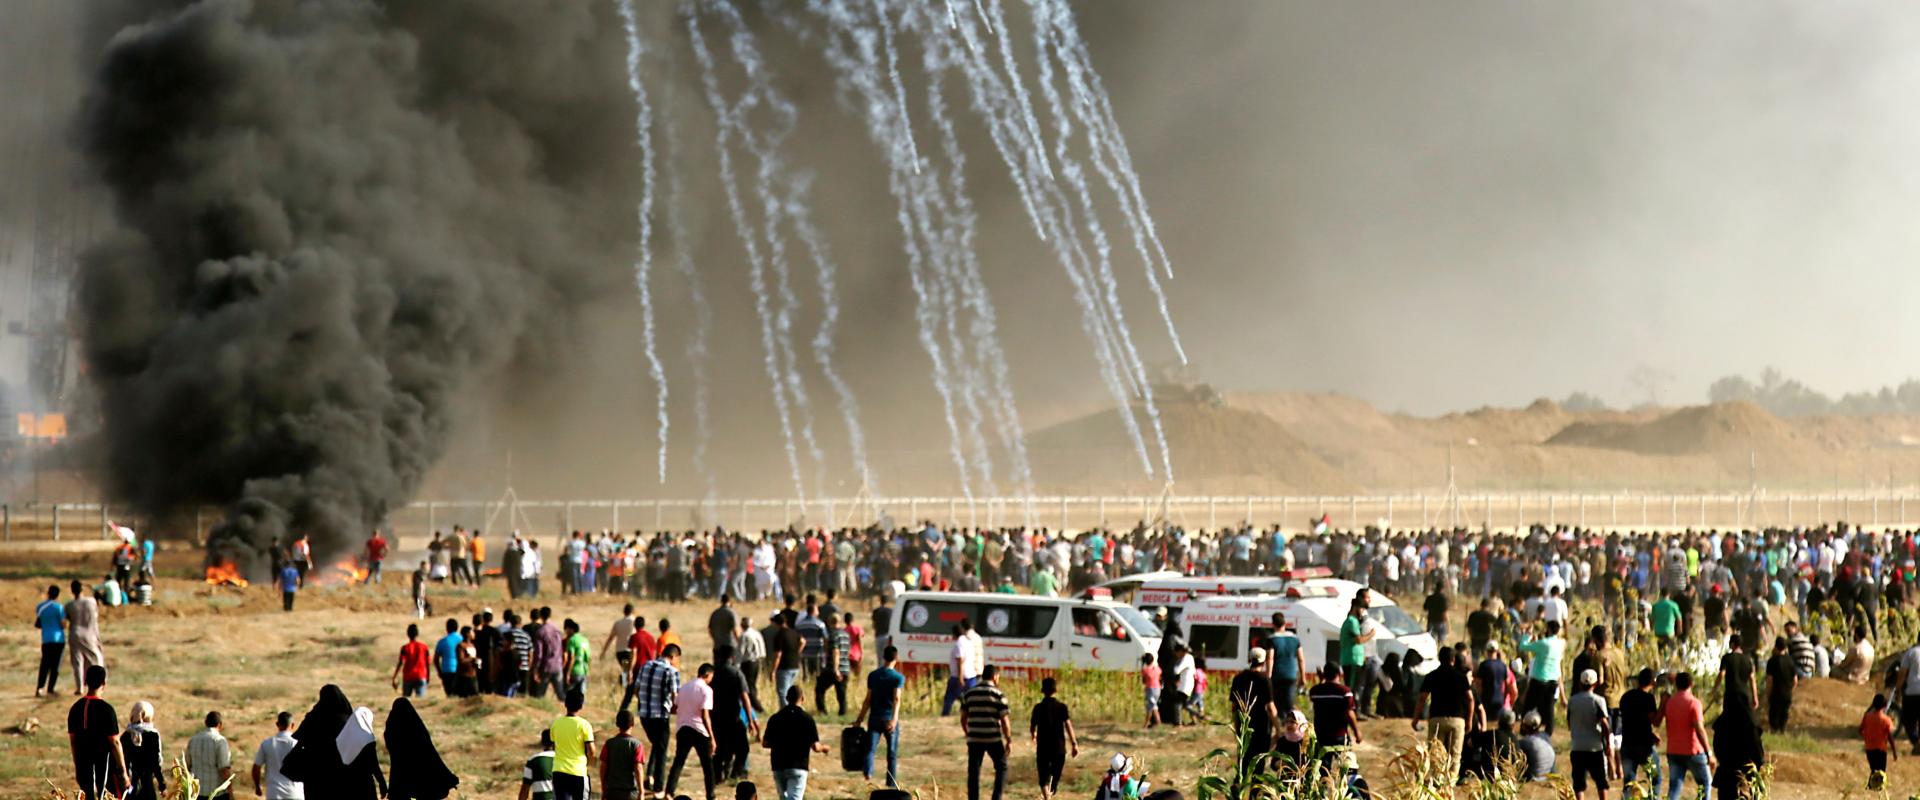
(546, 648)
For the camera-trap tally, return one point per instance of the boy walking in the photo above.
(620, 760)
(1051, 726)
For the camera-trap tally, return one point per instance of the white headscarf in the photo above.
(355, 737)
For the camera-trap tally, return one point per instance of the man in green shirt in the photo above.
(1543, 671)
(1354, 635)
(1043, 583)
(536, 779)
(576, 656)
(1664, 616)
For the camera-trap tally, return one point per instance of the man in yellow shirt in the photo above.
(572, 751)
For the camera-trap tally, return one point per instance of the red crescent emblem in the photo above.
(1096, 652)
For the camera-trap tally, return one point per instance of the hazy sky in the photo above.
(1440, 205)
(1436, 206)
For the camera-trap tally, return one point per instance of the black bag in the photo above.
(853, 748)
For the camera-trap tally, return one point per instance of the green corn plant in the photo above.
(1755, 781)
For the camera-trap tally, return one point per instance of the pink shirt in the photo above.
(1151, 674)
(695, 696)
(1683, 713)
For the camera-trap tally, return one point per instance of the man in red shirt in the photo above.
(1688, 750)
(410, 672)
(376, 555)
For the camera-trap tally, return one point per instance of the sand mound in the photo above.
(1722, 427)
(1215, 449)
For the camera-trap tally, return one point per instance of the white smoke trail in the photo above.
(728, 125)
(696, 351)
(1012, 67)
(1103, 252)
(823, 339)
(851, 51)
(992, 100)
(899, 89)
(790, 209)
(956, 208)
(1054, 22)
(643, 268)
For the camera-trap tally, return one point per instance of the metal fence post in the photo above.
(432, 524)
(56, 522)
(566, 515)
(656, 515)
(6, 512)
(616, 516)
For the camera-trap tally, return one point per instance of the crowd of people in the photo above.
(1512, 668)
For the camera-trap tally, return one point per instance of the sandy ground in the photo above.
(203, 648)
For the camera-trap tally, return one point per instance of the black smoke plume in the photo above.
(338, 218)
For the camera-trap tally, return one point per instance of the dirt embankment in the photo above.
(1281, 442)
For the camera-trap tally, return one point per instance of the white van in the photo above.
(1023, 632)
(1174, 590)
(1222, 629)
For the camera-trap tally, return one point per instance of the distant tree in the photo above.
(1583, 402)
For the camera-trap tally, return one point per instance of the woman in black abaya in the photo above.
(315, 760)
(418, 771)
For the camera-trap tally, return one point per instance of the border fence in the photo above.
(1504, 511)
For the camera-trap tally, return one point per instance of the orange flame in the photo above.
(346, 570)
(225, 573)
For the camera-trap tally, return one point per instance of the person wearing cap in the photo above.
(1592, 753)
(1290, 742)
(1119, 783)
(1447, 696)
(1251, 693)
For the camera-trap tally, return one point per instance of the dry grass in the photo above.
(235, 651)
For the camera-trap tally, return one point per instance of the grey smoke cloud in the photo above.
(1431, 208)
(337, 219)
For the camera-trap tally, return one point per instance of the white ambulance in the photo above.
(1173, 590)
(1023, 632)
(1223, 628)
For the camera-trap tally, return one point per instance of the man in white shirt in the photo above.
(267, 760)
(530, 569)
(1554, 609)
(963, 664)
(1182, 679)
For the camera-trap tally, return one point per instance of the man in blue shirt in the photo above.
(51, 618)
(289, 583)
(446, 656)
(881, 710)
(1287, 663)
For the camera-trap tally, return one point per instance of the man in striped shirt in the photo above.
(536, 779)
(655, 684)
(210, 759)
(983, 718)
(513, 669)
(1802, 649)
(834, 666)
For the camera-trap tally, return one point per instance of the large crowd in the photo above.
(1642, 645)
